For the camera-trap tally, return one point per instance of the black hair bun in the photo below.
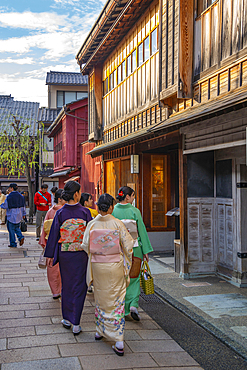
(66, 196)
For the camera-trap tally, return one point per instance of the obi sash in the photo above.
(105, 245)
(131, 226)
(72, 232)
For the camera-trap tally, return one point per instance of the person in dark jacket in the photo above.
(16, 211)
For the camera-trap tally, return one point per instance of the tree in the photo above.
(19, 149)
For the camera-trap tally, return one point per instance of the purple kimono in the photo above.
(64, 245)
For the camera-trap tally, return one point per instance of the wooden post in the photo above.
(182, 160)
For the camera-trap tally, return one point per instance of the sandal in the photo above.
(99, 337)
(66, 325)
(118, 351)
(77, 332)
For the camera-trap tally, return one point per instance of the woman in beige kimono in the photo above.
(110, 247)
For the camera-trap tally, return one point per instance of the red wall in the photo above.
(91, 181)
(72, 132)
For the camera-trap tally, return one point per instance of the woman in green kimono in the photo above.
(125, 211)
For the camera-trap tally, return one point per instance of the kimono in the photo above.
(64, 245)
(53, 272)
(127, 211)
(109, 270)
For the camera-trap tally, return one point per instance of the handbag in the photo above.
(42, 260)
(135, 268)
(146, 280)
(23, 226)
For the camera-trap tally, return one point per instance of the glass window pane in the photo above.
(134, 60)
(59, 99)
(124, 69)
(115, 78)
(140, 54)
(154, 43)
(129, 65)
(110, 82)
(69, 96)
(81, 95)
(119, 73)
(146, 49)
(106, 86)
(158, 191)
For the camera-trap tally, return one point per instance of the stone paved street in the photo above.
(31, 336)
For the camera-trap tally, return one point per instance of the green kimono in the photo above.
(127, 211)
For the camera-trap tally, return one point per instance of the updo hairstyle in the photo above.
(123, 191)
(58, 194)
(105, 201)
(70, 188)
(84, 198)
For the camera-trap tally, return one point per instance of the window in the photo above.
(146, 49)
(119, 74)
(69, 96)
(65, 97)
(140, 54)
(133, 60)
(81, 95)
(124, 69)
(115, 78)
(129, 69)
(154, 41)
(159, 190)
(106, 86)
(60, 102)
(203, 5)
(111, 82)
(48, 143)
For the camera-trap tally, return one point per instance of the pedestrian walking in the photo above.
(87, 201)
(109, 245)
(15, 209)
(125, 210)
(53, 272)
(53, 191)
(64, 245)
(42, 200)
(2, 211)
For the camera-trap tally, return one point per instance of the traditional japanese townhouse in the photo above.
(69, 130)
(167, 87)
(63, 88)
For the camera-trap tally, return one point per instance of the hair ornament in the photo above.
(121, 193)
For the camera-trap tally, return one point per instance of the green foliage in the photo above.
(18, 149)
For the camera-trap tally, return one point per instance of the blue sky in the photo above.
(39, 36)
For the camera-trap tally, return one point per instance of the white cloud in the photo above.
(24, 89)
(27, 60)
(70, 66)
(33, 21)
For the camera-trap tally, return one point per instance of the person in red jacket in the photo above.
(42, 200)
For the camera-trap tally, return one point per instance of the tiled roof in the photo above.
(65, 78)
(27, 112)
(48, 115)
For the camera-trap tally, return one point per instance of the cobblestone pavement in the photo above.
(32, 337)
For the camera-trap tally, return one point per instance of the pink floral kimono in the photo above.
(109, 246)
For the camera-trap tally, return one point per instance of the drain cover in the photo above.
(152, 298)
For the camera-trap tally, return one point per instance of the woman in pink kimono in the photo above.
(53, 272)
(109, 246)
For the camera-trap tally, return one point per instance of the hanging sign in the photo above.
(134, 163)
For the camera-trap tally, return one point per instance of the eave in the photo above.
(109, 30)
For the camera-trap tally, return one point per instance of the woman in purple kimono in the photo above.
(64, 245)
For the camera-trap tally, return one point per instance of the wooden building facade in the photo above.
(168, 85)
